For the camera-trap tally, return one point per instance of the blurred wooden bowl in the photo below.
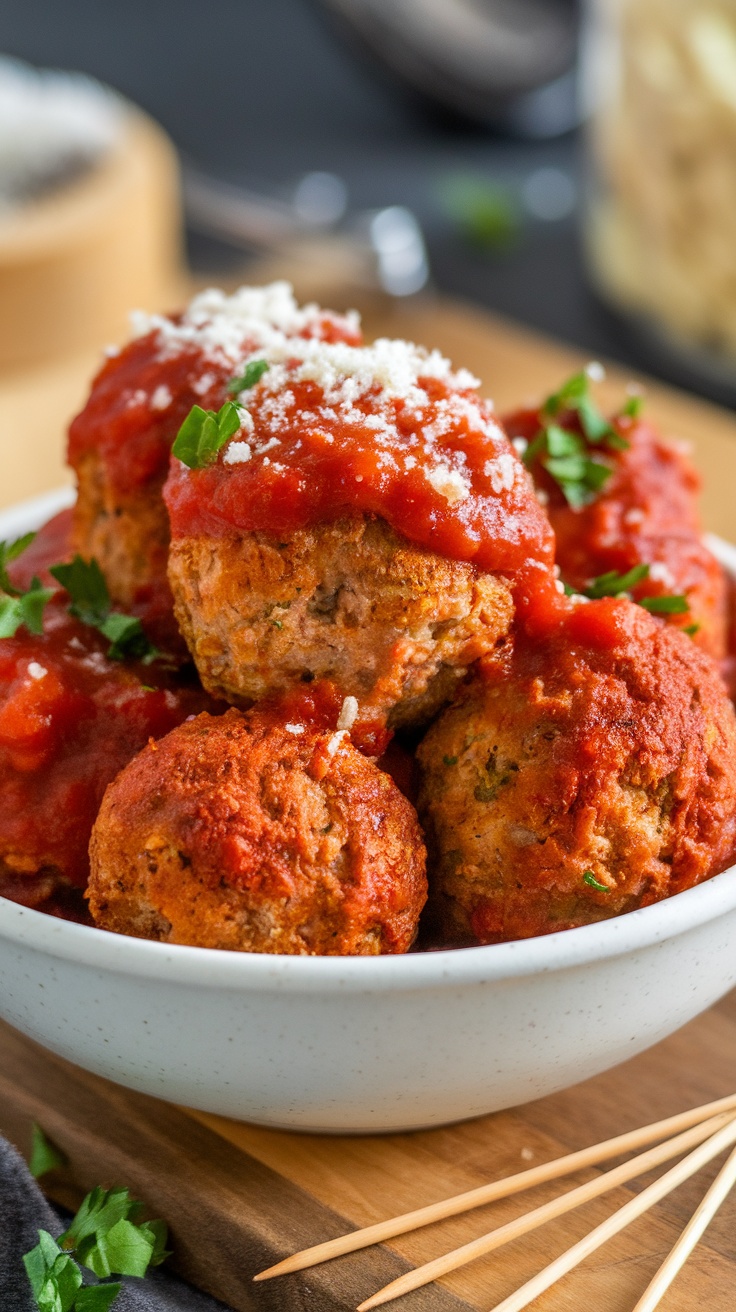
(74, 262)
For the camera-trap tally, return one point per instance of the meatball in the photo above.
(646, 514)
(119, 444)
(390, 623)
(70, 719)
(252, 832)
(368, 523)
(598, 775)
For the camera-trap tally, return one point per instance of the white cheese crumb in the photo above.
(162, 398)
(111, 351)
(37, 671)
(448, 483)
(294, 728)
(542, 496)
(661, 574)
(267, 446)
(519, 444)
(348, 713)
(237, 453)
(634, 517)
(595, 371)
(335, 741)
(501, 471)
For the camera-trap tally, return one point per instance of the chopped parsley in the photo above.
(620, 585)
(251, 375)
(486, 213)
(565, 454)
(204, 433)
(616, 585)
(590, 879)
(675, 605)
(20, 607)
(106, 1236)
(45, 1156)
(633, 407)
(90, 603)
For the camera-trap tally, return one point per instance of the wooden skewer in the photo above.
(422, 1275)
(489, 1193)
(620, 1219)
(697, 1225)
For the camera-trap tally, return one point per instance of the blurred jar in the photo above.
(661, 221)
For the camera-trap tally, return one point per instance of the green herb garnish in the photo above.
(90, 603)
(620, 585)
(565, 457)
(106, 1236)
(674, 605)
(204, 433)
(251, 375)
(18, 607)
(575, 394)
(590, 879)
(691, 630)
(615, 585)
(487, 214)
(44, 1155)
(633, 407)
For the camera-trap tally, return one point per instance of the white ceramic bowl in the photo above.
(367, 1044)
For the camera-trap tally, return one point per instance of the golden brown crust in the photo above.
(237, 832)
(351, 601)
(129, 537)
(619, 762)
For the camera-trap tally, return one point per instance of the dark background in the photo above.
(261, 91)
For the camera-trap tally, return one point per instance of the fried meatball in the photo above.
(119, 444)
(70, 719)
(597, 776)
(367, 524)
(392, 624)
(646, 514)
(254, 833)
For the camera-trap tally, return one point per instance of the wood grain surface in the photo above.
(238, 1197)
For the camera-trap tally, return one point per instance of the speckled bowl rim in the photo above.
(243, 971)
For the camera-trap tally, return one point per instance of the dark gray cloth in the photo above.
(24, 1211)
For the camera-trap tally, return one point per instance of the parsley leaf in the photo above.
(90, 603)
(590, 879)
(204, 432)
(17, 607)
(251, 375)
(487, 214)
(54, 1276)
(575, 395)
(108, 1238)
(620, 585)
(633, 407)
(24, 608)
(44, 1155)
(675, 605)
(11, 551)
(564, 455)
(613, 584)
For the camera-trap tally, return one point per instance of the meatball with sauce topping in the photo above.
(598, 775)
(645, 515)
(368, 524)
(259, 832)
(119, 445)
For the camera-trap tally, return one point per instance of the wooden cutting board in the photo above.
(238, 1197)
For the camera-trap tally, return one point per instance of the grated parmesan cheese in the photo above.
(37, 671)
(162, 398)
(348, 713)
(237, 453)
(336, 741)
(449, 483)
(294, 728)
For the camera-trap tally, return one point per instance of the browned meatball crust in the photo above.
(598, 776)
(390, 623)
(262, 834)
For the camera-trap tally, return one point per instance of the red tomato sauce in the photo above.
(323, 468)
(127, 420)
(647, 513)
(70, 719)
